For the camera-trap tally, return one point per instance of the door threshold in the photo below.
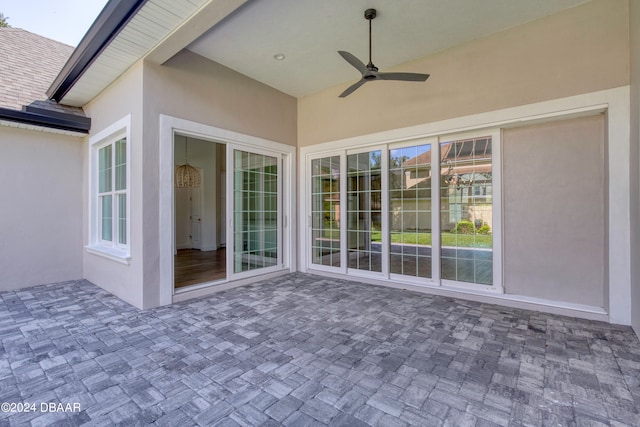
(197, 286)
(205, 289)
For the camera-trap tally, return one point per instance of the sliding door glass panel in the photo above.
(466, 208)
(255, 233)
(325, 211)
(410, 210)
(364, 211)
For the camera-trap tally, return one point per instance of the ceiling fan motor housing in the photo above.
(370, 14)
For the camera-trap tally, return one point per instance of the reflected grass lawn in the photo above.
(448, 239)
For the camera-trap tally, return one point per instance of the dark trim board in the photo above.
(49, 119)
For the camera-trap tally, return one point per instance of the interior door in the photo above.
(254, 206)
(195, 214)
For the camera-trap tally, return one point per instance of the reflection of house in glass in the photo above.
(466, 192)
(465, 211)
(465, 186)
(410, 189)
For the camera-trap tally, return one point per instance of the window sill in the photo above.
(117, 255)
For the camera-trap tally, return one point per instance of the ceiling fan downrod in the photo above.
(370, 15)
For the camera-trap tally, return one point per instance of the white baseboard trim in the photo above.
(513, 301)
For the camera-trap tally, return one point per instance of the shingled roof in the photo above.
(28, 66)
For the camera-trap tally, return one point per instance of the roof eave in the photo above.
(54, 120)
(113, 18)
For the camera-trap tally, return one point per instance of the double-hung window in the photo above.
(110, 193)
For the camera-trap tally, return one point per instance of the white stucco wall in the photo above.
(634, 27)
(554, 211)
(119, 100)
(41, 208)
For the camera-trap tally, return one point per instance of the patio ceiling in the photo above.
(309, 33)
(244, 35)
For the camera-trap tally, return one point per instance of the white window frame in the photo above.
(435, 211)
(495, 134)
(308, 202)
(280, 263)
(385, 212)
(109, 249)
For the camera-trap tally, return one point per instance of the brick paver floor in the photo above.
(305, 350)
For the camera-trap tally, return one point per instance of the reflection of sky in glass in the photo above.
(375, 159)
(401, 155)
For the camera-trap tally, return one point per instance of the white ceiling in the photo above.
(310, 32)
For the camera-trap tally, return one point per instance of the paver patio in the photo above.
(305, 350)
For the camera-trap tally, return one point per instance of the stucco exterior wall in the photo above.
(122, 98)
(191, 87)
(41, 210)
(580, 50)
(634, 26)
(554, 211)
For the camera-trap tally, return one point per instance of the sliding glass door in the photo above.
(419, 212)
(466, 208)
(256, 211)
(325, 211)
(364, 211)
(410, 210)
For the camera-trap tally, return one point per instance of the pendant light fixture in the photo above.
(187, 175)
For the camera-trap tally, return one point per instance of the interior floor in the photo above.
(192, 266)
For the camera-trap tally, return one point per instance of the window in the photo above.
(112, 193)
(109, 222)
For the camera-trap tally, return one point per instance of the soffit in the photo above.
(154, 23)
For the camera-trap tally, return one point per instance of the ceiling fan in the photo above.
(370, 72)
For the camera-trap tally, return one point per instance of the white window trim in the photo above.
(96, 246)
(615, 102)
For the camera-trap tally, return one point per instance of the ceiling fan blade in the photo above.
(352, 88)
(405, 77)
(355, 62)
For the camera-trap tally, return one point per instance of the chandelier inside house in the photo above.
(187, 175)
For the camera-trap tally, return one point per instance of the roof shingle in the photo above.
(28, 65)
